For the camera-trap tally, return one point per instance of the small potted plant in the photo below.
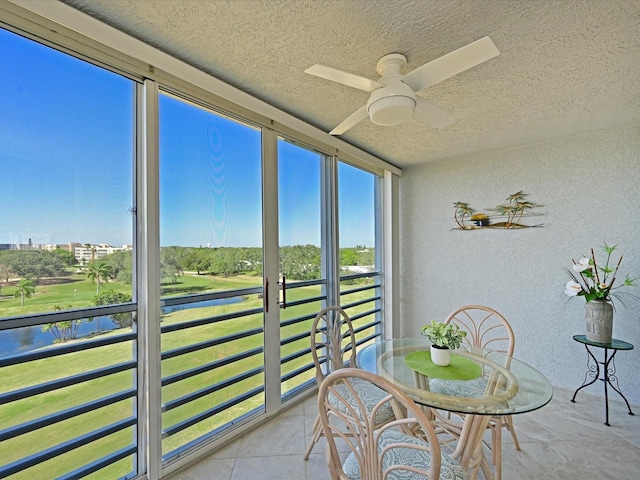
(444, 338)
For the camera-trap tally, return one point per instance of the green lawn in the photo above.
(77, 291)
(74, 290)
(82, 290)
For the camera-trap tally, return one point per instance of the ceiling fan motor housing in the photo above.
(394, 103)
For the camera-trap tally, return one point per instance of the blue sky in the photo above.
(67, 149)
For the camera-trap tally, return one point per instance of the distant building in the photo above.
(20, 246)
(81, 251)
(54, 246)
(69, 247)
(84, 253)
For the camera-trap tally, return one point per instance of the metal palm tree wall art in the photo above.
(508, 215)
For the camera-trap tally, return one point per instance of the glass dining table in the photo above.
(480, 385)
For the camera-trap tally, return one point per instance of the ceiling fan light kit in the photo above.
(389, 111)
(393, 98)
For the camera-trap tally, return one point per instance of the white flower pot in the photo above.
(440, 356)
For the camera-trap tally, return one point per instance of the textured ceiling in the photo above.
(565, 67)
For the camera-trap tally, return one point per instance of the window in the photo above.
(360, 290)
(66, 240)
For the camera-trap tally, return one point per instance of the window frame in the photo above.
(70, 31)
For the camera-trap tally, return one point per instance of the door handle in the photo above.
(283, 283)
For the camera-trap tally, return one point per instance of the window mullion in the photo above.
(389, 236)
(330, 238)
(148, 243)
(271, 269)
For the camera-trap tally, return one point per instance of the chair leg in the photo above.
(486, 470)
(508, 420)
(496, 442)
(317, 433)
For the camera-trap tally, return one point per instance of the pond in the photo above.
(25, 339)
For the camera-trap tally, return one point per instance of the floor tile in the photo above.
(561, 441)
(281, 467)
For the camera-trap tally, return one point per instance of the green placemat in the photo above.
(460, 368)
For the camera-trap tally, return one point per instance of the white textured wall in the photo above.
(590, 188)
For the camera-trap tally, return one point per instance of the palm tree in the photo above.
(99, 272)
(515, 209)
(463, 209)
(517, 197)
(25, 288)
(521, 207)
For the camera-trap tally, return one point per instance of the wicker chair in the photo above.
(486, 329)
(333, 346)
(389, 452)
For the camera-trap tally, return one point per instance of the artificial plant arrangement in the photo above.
(443, 335)
(597, 281)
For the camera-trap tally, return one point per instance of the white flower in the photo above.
(572, 288)
(582, 265)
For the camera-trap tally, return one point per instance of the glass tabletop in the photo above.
(505, 385)
(615, 344)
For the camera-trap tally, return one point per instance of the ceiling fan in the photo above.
(393, 98)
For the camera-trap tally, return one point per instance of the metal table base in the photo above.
(609, 376)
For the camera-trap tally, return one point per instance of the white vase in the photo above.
(440, 355)
(599, 317)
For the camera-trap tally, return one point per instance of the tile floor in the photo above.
(563, 440)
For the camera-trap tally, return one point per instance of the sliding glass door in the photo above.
(304, 251)
(211, 266)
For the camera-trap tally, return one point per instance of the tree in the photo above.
(65, 330)
(171, 261)
(226, 261)
(112, 297)
(65, 256)
(300, 262)
(5, 273)
(253, 257)
(121, 264)
(366, 257)
(197, 259)
(99, 272)
(25, 288)
(34, 264)
(348, 256)
(249, 259)
(55, 329)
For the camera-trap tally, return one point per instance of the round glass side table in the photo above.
(608, 373)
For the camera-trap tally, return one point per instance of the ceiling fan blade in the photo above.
(451, 64)
(353, 119)
(346, 78)
(430, 114)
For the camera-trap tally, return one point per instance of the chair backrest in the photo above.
(333, 343)
(485, 327)
(375, 452)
